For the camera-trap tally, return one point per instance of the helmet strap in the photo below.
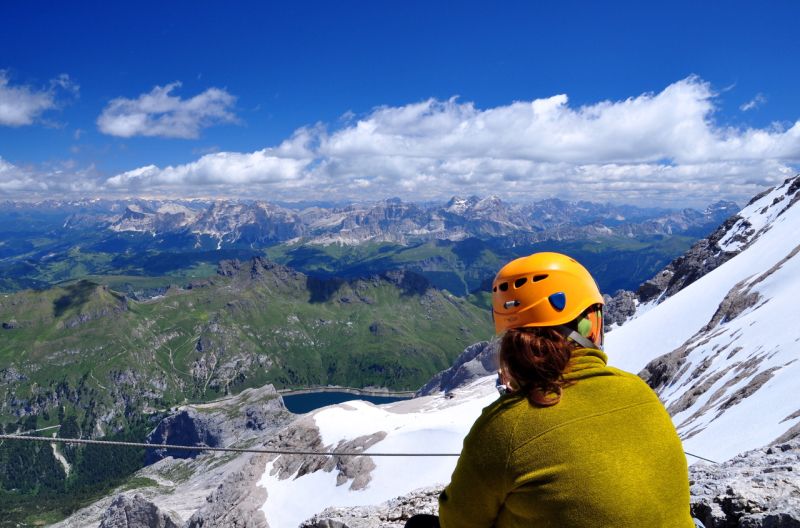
(573, 335)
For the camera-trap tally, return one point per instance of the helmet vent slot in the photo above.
(537, 278)
(519, 282)
(504, 286)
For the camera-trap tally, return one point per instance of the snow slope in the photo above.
(433, 424)
(732, 336)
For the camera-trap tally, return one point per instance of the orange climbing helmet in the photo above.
(547, 289)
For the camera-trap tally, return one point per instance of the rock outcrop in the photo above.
(390, 514)
(619, 308)
(303, 434)
(253, 412)
(476, 361)
(237, 501)
(137, 512)
(757, 489)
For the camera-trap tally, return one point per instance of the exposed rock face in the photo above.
(704, 256)
(304, 435)
(248, 223)
(187, 427)
(735, 235)
(237, 502)
(253, 412)
(619, 307)
(137, 512)
(390, 514)
(757, 489)
(476, 361)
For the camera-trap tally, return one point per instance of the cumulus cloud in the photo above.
(755, 102)
(662, 148)
(23, 105)
(283, 167)
(47, 180)
(160, 113)
(674, 125)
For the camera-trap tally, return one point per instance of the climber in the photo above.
(573, 443)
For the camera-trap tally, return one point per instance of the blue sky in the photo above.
(415, 99)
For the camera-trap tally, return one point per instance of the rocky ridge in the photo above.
(721, 352)
(204, 489)
(391, 220)
(476, 361)
(734, 235)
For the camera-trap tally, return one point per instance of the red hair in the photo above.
(533, 360)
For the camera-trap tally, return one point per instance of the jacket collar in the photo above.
(586, 362)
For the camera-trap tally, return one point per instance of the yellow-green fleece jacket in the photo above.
(607, 455)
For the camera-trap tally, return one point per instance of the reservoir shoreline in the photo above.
(348, 390)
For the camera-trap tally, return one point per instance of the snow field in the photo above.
(430, 424)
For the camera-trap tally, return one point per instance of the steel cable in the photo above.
(240, 449)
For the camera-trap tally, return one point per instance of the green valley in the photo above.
(250, 324)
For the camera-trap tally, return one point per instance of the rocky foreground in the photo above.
(757, 489)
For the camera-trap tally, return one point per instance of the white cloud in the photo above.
(47, 180)
(23, 105)
(675, 125)
(755, 102)
(282, 167)
(159, 113)
(660, 148)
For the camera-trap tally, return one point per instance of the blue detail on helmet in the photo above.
(558, 301)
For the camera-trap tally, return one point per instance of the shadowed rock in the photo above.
(137, 512)
(476, 361)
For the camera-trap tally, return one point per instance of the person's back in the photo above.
(572, 443)
(605, 455)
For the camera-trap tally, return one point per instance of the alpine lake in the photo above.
(301, 403)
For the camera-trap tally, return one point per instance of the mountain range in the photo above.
(711, 332)
(457, 245)
(716, 341)
(395, 221)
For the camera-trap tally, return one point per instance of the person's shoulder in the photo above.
(625, 374)
(632, 381)
(497, 419)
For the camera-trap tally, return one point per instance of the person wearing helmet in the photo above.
(573, 443)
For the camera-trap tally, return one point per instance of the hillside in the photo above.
(252, 323)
